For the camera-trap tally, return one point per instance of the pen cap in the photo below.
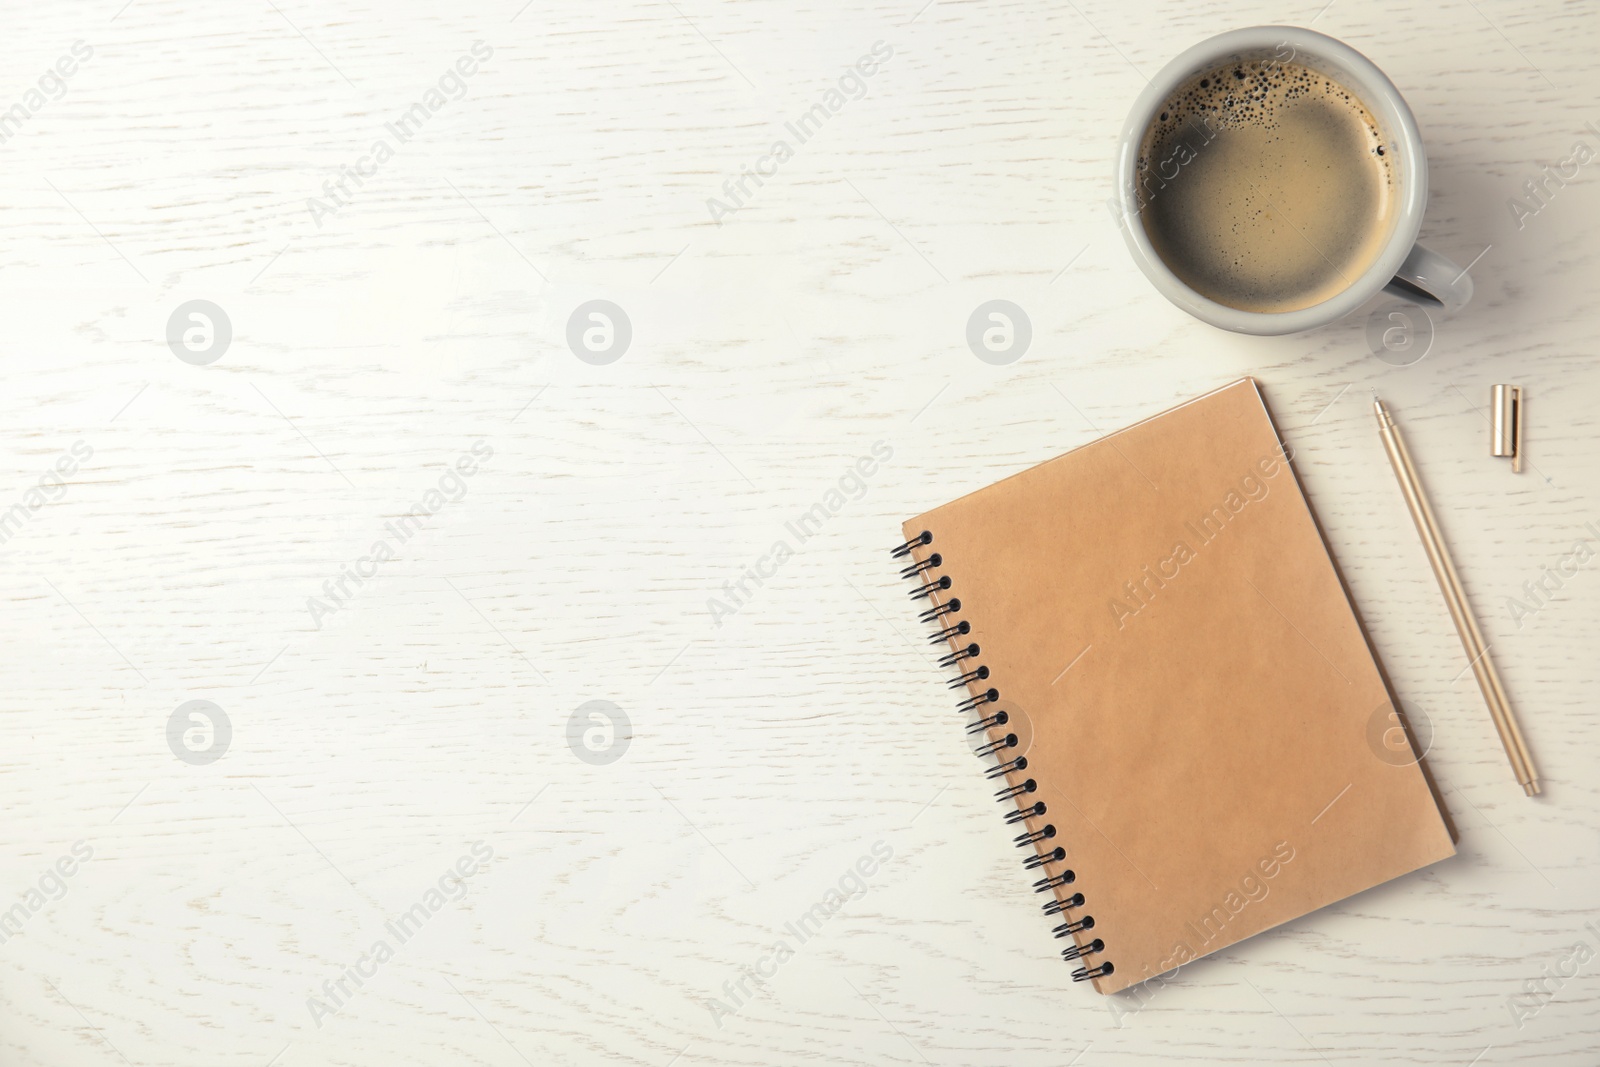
(1505, 423)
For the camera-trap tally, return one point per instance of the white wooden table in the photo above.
(417, 716)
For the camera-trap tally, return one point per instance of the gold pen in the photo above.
(1455, 599)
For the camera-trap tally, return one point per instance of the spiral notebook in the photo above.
(1166, 677)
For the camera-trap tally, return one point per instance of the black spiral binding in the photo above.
(963, 657)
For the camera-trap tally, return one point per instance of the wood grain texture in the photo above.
(375, 345)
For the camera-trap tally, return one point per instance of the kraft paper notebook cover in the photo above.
(1193, 701)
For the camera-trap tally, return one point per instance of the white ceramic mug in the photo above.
(1404, 268)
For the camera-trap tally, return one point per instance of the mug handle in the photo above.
(1429, 279)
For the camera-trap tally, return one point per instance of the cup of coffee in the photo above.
(1272, 180)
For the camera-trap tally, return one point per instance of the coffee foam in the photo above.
(1250, 93)
(1265, 184)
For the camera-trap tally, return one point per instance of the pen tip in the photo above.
(1381, 412)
